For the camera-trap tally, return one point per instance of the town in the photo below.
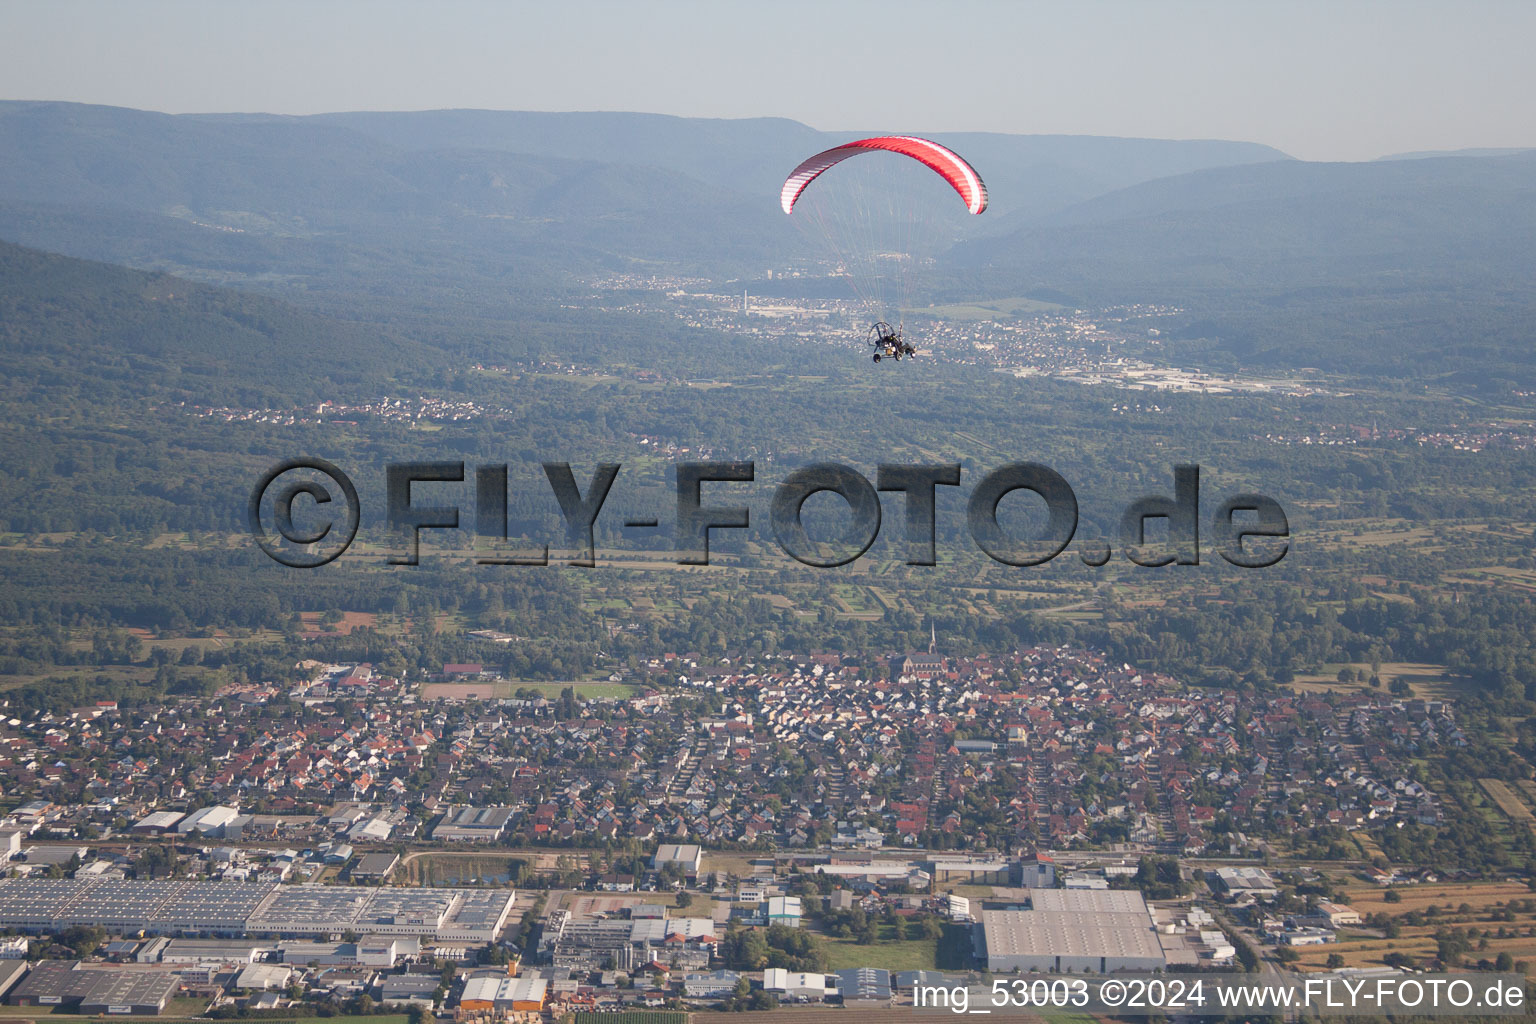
(756, 830)
(1119, 346)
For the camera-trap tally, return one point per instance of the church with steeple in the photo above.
(925, 666)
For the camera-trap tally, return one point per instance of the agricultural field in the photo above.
(314, 626)
(856, 603)
(1486, 911)
(1418, 943)
(1482, 896)
(1508, 802)
(1430, 682)
(1479, 907)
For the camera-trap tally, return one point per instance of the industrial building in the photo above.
(69, 987)
(375, 867)
(686, 856)
(473, 824)
(499, 992)
(238, 908)
(714, 985)
(263, 977)
(1038, 872)
(1243, 881)
(200, 951)
(409, 989)
(368, 952)
(208, 820)
(443, 915)
(39, 904)
(797, 986)
(970, 870)
(783, 910)
(157, 822)
(864, 987)
(1073, 930)
(582, 945)
(10, 973)
(310, 910)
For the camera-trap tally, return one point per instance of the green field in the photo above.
(906, 955)
(583, 690)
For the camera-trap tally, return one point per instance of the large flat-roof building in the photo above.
(1074, 930)
(799, 986)
(207, 951)
(211, 820)
(865, 987)
(503, 993)
(473, 824)
(1243, 881)
(714, 985)
(686, 856)
(157, 822)
(375, 867)
(445, 915)
(174, 907)
(10, 973)
(69, 986)
(237, 908)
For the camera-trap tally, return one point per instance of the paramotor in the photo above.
(878, 224)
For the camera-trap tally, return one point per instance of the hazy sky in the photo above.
(1327, 80)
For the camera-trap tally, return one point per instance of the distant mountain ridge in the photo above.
(1427, 154)
(1028, 172)
(1405, 266)
(585, 189)
(1412, 266)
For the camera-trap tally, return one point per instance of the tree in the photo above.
(83, 939)
(684, 899)
(1334, 962)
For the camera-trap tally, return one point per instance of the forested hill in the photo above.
(77, 327)
(1415, 268)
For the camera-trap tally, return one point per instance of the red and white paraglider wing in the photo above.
(962, 177)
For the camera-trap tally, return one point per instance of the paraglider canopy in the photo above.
(962, 177)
